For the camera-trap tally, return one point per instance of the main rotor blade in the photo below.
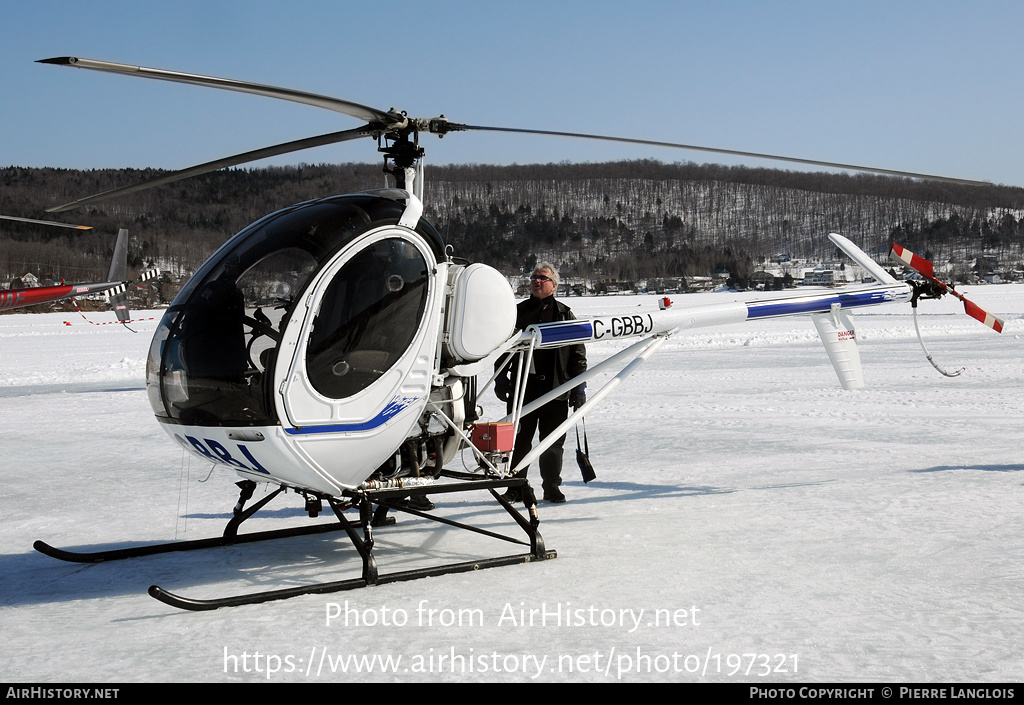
(362, 112)
(285, 148)
(47, 222)
(814, 162)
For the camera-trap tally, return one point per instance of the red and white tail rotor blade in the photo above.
(918, 264)
(927, 270)
(975, 311)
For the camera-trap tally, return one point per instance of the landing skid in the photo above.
(384, 500)
(154, 549)
(228, 538)
(253, 598)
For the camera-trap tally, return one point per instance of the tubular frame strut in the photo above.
(360, 533)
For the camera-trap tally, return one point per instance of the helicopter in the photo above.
(115, 287)
(333, 349)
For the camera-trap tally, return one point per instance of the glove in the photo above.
(578, 397)
(503, 391)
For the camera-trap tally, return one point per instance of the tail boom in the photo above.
(665, 322)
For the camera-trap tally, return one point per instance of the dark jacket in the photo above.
(564, 362)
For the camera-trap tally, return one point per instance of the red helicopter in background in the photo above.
(115, 287)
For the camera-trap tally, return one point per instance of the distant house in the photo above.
(612, 287)
(819, 277)
(666, 285)
(986, 265)
(701, 283)
(575, 286)
(762, 280)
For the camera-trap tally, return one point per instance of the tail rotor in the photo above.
(927, 270)
(933, 288)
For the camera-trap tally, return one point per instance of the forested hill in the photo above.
(622, 220)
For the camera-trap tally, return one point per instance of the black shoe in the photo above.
(513, 495)
(420, 502)
(554, 496)
(381, 518)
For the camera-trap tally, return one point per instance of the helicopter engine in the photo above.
(316, 348)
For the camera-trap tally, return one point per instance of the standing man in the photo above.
(549, 369)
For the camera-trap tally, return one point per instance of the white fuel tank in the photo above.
(481, 312)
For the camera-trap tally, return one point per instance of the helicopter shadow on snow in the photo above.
(32, 578)
(484, 509)
(28, 579)
(983, 468)
(626, 491)
(621, 491)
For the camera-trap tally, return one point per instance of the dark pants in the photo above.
(545, 419)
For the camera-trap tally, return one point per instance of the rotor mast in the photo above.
(403, 158)
(402, 153)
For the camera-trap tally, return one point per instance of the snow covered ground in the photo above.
(751, 521)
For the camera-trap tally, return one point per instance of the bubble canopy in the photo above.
(212, 358)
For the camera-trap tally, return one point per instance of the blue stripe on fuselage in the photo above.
(393, 408)
(576, 330)
(789, 307)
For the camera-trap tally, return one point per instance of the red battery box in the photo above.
(491, 437)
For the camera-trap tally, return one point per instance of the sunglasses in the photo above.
(539, 278)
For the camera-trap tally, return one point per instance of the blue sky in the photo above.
(932, 87)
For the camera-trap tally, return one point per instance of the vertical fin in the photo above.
(119, 273)
(119, 262)
(836, 331)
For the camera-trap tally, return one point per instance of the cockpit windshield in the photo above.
(214, 352)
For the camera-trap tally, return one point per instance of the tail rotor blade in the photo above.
(919, 264)
(977, 312)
